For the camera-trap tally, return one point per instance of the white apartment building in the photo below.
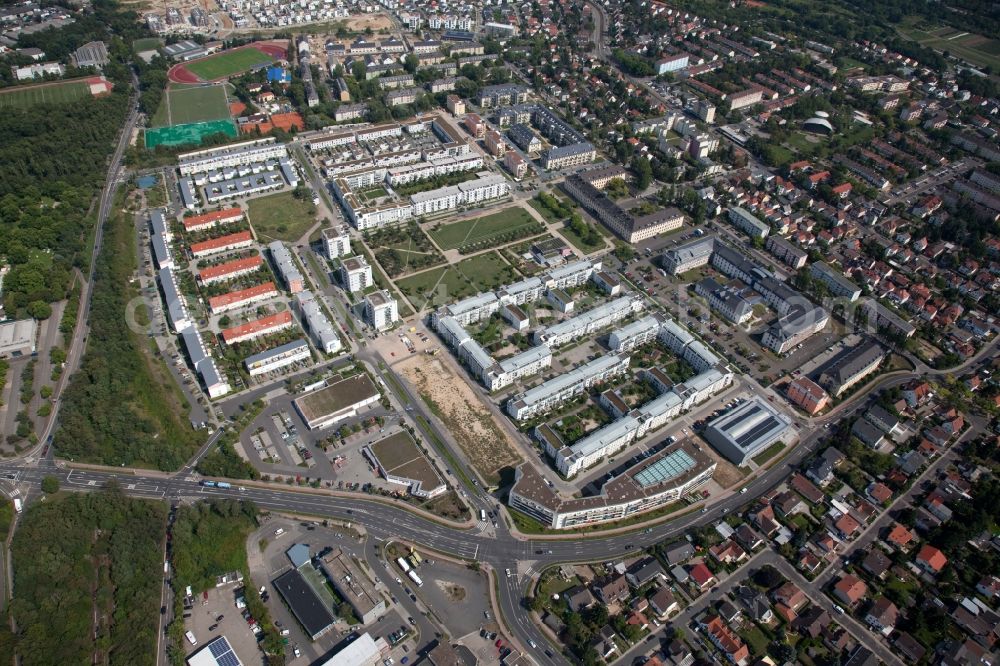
(748, 222)
(277, 358)
(635, 334)
(356, 273)
(590, 321)
(485, 188)
(317, 324)
(237, 154)
(381, 310)
(560, 389)
(336, 242)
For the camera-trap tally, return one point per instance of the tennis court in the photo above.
(24, 97)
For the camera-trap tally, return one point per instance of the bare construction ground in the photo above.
(377, 22)
(486, 446)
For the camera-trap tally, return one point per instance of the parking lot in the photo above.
(457, 595)
(205, 623)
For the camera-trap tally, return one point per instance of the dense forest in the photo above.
(105, 564)
(122, 407)
(52, 161)
(210, 540)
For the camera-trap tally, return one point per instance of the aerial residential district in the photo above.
(378, 332)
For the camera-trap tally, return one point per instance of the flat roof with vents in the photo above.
(753, 426)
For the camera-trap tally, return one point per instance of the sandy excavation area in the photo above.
(485, 444)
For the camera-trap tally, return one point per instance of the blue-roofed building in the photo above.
(279, 75)
(298, 554)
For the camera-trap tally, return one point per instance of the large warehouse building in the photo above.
(400, 461)
(17, 338)
(316, 619)
(337, 401)
(741, 434)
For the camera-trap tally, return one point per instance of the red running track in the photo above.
(181, 74)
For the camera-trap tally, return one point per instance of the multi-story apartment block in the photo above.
(381, 310)
(748, 222)
(835, 281)
(688, 256)
(794, 328)
(336, 241)
(356, 273)
(786, 252)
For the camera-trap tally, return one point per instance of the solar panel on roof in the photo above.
(754, 433)
(219, 647)
(664, 469)
(229, 659)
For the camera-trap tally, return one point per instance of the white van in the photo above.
(278, 532)
(191, 639)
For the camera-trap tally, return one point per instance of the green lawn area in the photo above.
(191, 105)
(487, 231)
(543, 211)
(228, 63)
(755, 639)
(466, 278)
(782, 155)
(147, 44)
(578, 241)
(768, 453)
(373, 193)
(977, 49)
(800, 142)
(280, 217)
(23, 97)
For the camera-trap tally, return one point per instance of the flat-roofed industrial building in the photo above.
(337, 401)
(747, 430)
(399, 460)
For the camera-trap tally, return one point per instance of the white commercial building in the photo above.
(741, 434)
(17, 338)
(666, 477)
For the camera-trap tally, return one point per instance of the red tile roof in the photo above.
(212, 218)
(241, 295)
(228, 267)
(932, 558)
(258, 325)
(221, 241)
